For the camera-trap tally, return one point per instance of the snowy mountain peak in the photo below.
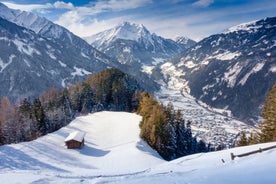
(181, 39)
(124, 30)
(35, 23)
(130, 31)
(134, 45)
(7, 13)
(129, 24)
(252, 26)
(187, 42)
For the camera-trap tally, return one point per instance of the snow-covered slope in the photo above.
(112, 148)
(208, 168)
(114, 153)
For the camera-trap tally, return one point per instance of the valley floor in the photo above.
(114, 153)
(207, 125)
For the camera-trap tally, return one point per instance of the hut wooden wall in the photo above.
(72, 144)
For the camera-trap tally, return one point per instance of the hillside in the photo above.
(112, 147)
(114, 153)
(32, 60)
(233, 70)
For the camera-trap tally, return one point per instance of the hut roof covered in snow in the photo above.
(77, 136)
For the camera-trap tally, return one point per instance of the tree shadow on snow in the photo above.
(143, 146)
(12, 158)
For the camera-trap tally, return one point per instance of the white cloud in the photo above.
(42, 8)
(63, 5)
(28, 7)
(117, 5)
(203, 3)
(94, 27)
(75, 18)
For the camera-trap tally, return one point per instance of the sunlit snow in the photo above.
(249, 27)
(114, 153)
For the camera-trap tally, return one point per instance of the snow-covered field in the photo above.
(114, 153)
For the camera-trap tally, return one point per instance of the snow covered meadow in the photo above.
(114, 153)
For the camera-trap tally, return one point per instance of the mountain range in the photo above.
(37, 54)
(233, 70)
(135, 46)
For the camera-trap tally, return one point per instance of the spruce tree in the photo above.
(268, 126)
(39, 117)
(243, 140)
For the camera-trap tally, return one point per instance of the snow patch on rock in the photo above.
(257, 68)
(4, 65)
(80, 72)
(231, 75)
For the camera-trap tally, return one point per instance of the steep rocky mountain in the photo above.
(30, 63)
(233, 70)
(185, 41)
(43, 27)
(133, 45)
(37, 54)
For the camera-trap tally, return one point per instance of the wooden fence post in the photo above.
(232, 156)
(252, 152)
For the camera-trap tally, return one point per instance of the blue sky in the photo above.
(168, 18)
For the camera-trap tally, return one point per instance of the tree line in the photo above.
(267, 128)
(31, 118)
(162, 127)
(165, 130)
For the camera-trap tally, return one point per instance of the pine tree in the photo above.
(6, 119)
(253, 138)
(243, 140)
(24, 116)
(268, 126)
(39, 117)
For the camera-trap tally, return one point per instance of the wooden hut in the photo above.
(75, 140)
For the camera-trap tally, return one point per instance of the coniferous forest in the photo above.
(267, 128)
(164, 129)
(31, 118)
